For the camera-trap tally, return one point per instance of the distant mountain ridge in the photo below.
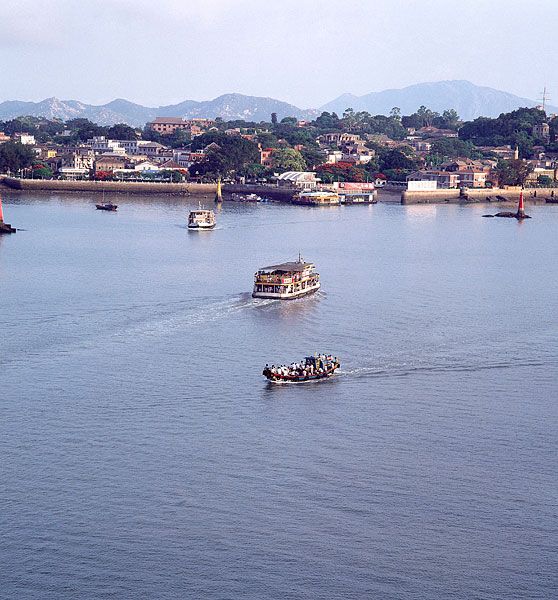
(227, 106)
(469, 100)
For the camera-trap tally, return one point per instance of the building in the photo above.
(110, 163)
(300, 180)
(443, 179)
(541, 132)
(168, 125)
(24, 138)
(266, 157)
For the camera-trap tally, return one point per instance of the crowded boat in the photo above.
(310, 368)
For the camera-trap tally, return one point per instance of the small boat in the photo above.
(286, 280)
(108, 206)
(201, 219)
(247, 198)
(311, 368)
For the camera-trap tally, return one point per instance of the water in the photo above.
(144, 455)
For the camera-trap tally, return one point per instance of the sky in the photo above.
(306, 52)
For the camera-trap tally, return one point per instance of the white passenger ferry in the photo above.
(201, 219)
(286, 280)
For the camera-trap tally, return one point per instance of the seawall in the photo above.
(268, 191)
(132, 187)
(474, 195)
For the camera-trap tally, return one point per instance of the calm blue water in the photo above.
(144, 456)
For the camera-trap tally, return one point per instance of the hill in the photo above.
(469, 100)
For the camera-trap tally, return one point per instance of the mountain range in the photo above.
(468, 99)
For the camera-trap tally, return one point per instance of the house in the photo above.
(168, 125)
(436, 132)
(110, 162)
(338, 138)
(101, 145)
(146, 165)
(24, 138)
(541, 132)
(266, 157)
(443, 179)
(171, 165)
(300, 180)
(4, 137)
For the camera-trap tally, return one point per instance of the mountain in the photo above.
(468, 99)
(228, 106)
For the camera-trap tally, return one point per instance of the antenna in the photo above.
(544, 98)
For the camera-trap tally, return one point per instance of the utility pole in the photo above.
(544, 98)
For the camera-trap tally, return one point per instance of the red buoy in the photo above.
(520, 206)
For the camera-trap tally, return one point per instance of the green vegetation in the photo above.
(288, 159)
(513, 172)
(514, 128)
(15, 156)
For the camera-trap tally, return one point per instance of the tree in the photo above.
(288, 159)
(448, 120)
(396, 159)
(395, 114)
(274, 118)
(84, 129)
(122, 131)
(15, 156)
(40, 171)
(545, 181)
(513, 172)
(233, 154)
(289, 121)
(312, 156)
(327, 121)
(448, 148)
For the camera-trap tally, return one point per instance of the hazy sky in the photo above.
(303, 51)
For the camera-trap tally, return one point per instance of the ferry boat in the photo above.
(311, 368)
(201, 219)
(320, 198)
(286, 280)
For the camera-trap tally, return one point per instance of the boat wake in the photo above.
(403, 370)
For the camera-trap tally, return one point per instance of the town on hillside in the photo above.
(424, 150)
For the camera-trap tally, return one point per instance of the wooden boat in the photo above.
(108, 206)
(312, 368)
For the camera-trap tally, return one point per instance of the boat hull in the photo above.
(300, 379)
(290, 296)
(198, 227)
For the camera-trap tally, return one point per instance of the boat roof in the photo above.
(288, 266)
(200, 210)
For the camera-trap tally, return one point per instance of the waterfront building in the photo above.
(299, 180)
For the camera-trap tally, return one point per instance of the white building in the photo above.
(301, 180)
